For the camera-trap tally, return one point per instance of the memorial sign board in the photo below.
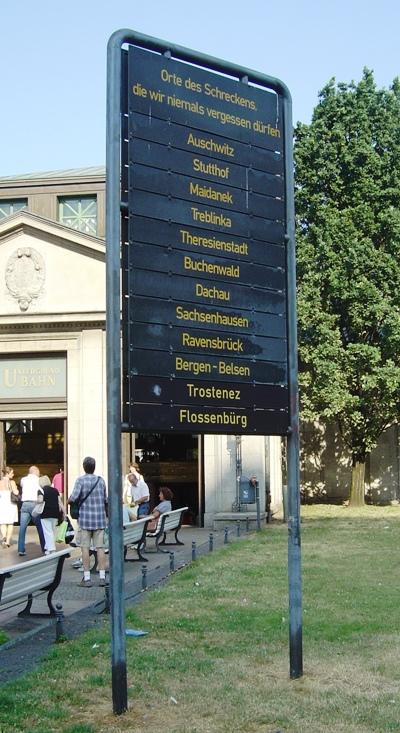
(205, 337)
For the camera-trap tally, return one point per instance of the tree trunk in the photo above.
(357, 492)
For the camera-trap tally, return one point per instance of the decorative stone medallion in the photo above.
(25, 276)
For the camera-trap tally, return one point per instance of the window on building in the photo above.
(78, 213)
(10, 206)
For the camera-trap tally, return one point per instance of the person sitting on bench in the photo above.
(138, 494)
(166, 496)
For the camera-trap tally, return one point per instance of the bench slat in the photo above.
(133, 531)
(31, 563)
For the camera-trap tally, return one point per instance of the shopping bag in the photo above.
(70, 533)
(61, 531)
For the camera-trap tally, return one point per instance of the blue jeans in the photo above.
(25, 518)
(143, 509)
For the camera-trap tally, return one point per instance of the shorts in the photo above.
(92, 535)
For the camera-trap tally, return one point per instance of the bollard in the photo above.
(106, 599)
(226, 540)
(193, 551)
(238, 528)
(247, 523)
(60, 635)
(258, 509)
(144, 577)
(211, 542)
(171, 562)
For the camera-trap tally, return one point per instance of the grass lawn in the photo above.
(216, 659)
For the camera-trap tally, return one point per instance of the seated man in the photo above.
(138, 495)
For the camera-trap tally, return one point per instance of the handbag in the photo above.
(14, 498)
(74, 509)
(75, 505)
(38, 509)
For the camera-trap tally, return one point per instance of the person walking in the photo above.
(91, 495)
(53, 511)
(8, 508)
(58, 481)
(29, 490)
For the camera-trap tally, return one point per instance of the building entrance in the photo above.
(174, 461)
(38, 442)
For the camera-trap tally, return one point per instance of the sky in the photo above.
(53, 60)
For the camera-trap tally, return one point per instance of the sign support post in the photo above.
(293, 445)
(113, 358)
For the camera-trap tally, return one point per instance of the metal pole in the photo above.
(113, 357)
(293, 498)
(238, 446)
(258, 507)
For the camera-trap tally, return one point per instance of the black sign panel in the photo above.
(182, 93)
(168, 312)
(192, 213)
(195, 190)
(144, 282)
(168, 260)
(230, 421)
(204, 264)
(194, 341)
(200, 241)
(152, 129)
(160, 391)
(215, 368)
(167, 158)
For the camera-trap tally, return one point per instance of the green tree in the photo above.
(348, 239)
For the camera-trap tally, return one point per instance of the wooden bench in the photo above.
(30, 578)
(168, 522)
(134, 533)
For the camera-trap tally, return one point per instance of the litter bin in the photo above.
(247, 492)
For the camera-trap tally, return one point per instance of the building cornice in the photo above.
(26, 222)
(43, 327)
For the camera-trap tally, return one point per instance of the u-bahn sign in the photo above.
(205, 288)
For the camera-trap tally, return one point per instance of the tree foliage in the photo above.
(348, 238)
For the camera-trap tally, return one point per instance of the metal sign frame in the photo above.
(113, 341)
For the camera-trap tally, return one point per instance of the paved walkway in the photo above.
(29, 638)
